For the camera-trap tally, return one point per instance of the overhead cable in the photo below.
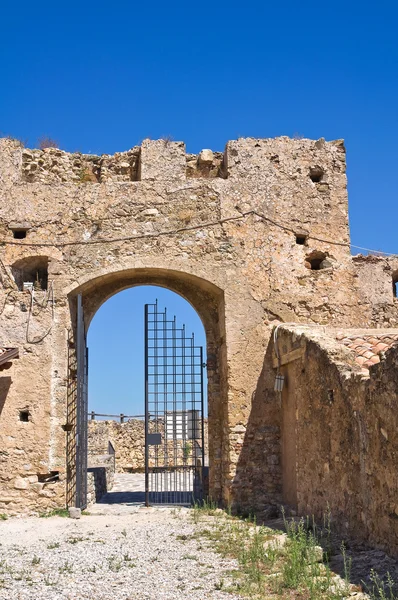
(178, 230)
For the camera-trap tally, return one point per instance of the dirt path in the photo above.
(140, 554)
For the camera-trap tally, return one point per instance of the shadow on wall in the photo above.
(257, 485)
(5, 384)
(99, 483)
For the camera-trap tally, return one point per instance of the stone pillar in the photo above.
(162, 160)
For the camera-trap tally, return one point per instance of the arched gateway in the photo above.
(84, 301)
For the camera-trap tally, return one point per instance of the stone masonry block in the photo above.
(162, 160)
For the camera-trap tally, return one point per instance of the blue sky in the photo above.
(100, 77)
(117, 386)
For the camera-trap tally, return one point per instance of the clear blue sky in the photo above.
(99, 77)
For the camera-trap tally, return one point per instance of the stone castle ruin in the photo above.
(257, 240)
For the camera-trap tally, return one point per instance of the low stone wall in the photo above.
(100, 476)
(27, 494)
(340, 439)
(128, 440)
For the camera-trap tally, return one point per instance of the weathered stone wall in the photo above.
(234, 236)
(341, 438)
(128, 441)
(100, 476)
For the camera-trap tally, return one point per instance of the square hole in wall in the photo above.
(24, 416)
(31, 270)
(301, 239)
(48, 477)
(19, 234)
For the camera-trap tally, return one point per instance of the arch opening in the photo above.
(31, 271)
(179, 420)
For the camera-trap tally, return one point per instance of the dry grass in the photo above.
(273, 565)
(47, 142)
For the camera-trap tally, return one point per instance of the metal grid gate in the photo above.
(81, 408)
(174, 417)
(76, 452)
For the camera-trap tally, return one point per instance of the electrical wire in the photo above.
(168, 232)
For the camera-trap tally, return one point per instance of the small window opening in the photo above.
(33, 270)
(19, 234)
(24, 416)
(316, 174)
(395, 284)
(316, 261)
(48, 477)
(301, 239)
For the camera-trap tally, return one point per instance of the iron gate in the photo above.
(174, 417)
(77, 413)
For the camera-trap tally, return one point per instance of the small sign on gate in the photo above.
(154, 439)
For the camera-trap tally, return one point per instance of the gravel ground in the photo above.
(142, 554)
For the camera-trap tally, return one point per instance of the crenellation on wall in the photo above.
(293, 158)
(207, 164)
(52, 165)
(162, 160)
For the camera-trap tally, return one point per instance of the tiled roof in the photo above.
(7, 354)
(367, 348)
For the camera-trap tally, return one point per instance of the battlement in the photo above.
(167, 160)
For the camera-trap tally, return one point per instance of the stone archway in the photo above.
(208, 301)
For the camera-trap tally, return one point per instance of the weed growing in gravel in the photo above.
(36, 560)
(189, 557)
(75, 540)
(50, 582)
(3, 517)
(273, 563)
(114, 563)
(53, 545)
(57, 512)
(303, 567)
(207, 507)
(19, 576)
(219, 585)
(66, 568)
(124, 532)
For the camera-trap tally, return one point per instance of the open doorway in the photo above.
(147, 399)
